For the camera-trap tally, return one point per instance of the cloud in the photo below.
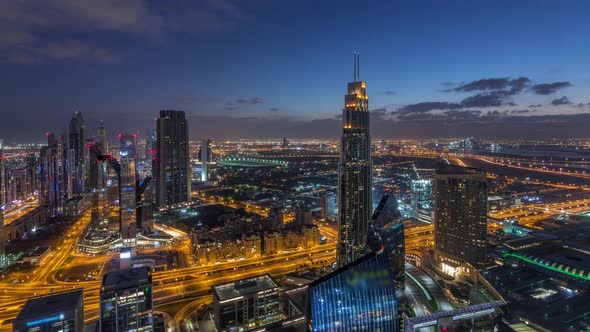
(388, 93)
(29, 29)
(249, 101)
(536, 105)
(378, 114)
(560, 101)
(274, 109)
(549, 88)
(491, 92)
(427, 106)
(522, 111)
(490, 99)
(77, 49)
(511, 86)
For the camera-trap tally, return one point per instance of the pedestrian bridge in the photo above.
(474, 311)
(250, 162)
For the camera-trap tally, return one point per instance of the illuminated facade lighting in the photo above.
(354, 173)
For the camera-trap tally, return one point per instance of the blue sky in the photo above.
(276, 63)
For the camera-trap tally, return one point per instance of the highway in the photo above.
(170, 285)
(20, 210)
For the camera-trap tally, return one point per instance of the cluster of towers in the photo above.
(460, 209)
(122, 181)
(63, 166)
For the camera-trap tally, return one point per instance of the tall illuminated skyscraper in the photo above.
(2, 185)
(205, 159)
(127, 198)
(354, 173)
(76, 147)
(101, 140)
(460, 219)
(172, 169)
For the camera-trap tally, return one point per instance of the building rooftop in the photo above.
(444, 168)
(50, 304)
(243, 287)
(36, 252)
(126, 278)
(74, 199)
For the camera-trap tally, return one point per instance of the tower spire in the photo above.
(354, 71)
(357, 66)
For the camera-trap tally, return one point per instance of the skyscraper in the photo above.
(460, 219)
(2, 239)
(358, 296)
(126, 302)
(128, 187)
(206, 158)
(101, 140)
(387, 233)
(172, 170)
(76, 147)
(354, 173)
(52, 177)
(62, 311)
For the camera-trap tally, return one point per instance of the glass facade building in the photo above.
(246, 304)
(172, 171)
(359, 296)
(126, 301)
(387, 233)
(460, 224)
(128, 199)
(53, 312)
(355, 174)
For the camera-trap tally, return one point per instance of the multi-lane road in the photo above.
(169, 286)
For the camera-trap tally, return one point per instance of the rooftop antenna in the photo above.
(354, 72)
(358, 66)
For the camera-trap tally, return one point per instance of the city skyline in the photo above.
(206, 178)
(448, 67)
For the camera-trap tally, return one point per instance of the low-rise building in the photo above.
(36, 256)
(251, 245)
(29, 222)
(273, 242)
(75, 207)
(311, 236)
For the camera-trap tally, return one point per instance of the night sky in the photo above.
(274, 68)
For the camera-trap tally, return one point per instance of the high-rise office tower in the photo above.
(358, 296)
(354, 173)
(2, 239)
(206, 158)
(460, 218)
(387, 233)
(52, 179)
(52, 312)
(172, 171)
(126, 301)
(128, 187)
(101, 139)
(76, 154)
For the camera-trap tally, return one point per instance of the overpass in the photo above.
(474, 311)
(250, 162)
